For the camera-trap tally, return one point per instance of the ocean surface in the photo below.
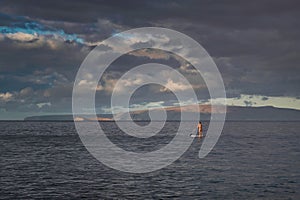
(252, 160)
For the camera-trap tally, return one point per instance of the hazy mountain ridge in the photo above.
(173, 113)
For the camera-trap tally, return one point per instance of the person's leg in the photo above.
(201, 134)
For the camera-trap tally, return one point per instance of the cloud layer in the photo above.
(255, 45)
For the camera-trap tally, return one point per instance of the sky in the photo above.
(255, 44)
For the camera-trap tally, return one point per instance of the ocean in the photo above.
(252, 160)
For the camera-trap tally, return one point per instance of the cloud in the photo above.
(22, 37)
(40, 105)
(6, 96)
(257, 101)
(135, 107)
(45, 43)
(151, 53)
(30, 31)
(175, 86)
(26, 91)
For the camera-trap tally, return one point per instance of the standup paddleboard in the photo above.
(194, 136)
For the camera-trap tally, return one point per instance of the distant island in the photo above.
(234, 113)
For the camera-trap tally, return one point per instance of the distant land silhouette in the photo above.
(234, 113)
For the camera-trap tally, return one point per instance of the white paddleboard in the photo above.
(194, 136)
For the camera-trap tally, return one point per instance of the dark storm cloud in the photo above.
(230, 14)
(255, 44)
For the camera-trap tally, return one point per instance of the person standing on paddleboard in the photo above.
(200, 133)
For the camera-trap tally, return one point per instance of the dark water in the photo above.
(252, 160)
